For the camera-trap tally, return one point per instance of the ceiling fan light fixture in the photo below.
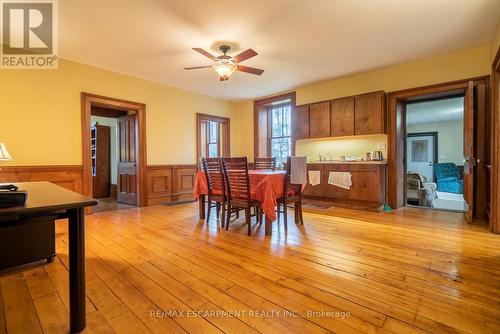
(225, 68)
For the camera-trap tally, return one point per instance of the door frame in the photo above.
(397, 129)
(226, 147)
(495, 146)
(89, 100)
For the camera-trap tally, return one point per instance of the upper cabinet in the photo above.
(300, 122)
(342, 117)
(354, 115)
(369, 113)
(319, 120)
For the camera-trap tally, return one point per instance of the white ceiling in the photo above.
(298, 41)
(451, 109)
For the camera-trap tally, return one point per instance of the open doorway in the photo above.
(435, 153)
(114, 154)
(476, 145)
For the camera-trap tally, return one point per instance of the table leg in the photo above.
(269, 230)
(76, 231)
(201, 202)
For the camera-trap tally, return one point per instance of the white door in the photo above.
(420, 155)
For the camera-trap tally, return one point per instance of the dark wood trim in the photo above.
(263, 103)
(424, 134)
(107, 112)
(397, 130)
(226, 149)
(90, 100)
(67, 176)
(495, 146)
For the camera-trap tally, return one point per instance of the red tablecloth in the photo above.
(265, 187)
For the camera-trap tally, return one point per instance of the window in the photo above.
(280, 139)
(212, 136)
(273, 127)
(213, 144)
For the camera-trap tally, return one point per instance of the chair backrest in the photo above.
(236, 177)
(290, 188)
(446, 169)
(215, 176)
(265, 163)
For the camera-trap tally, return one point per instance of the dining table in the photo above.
(266, 186)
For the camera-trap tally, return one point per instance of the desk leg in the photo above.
(76, 229)
(269, 230)
(201, 202)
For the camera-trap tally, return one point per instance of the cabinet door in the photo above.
(316, 190)
(365, 186)
(332, 191)
(342, 117)
(369, 113)
(300, 122)
(319, 125)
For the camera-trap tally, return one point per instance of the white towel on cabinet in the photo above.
(340, 179)
(314, 177)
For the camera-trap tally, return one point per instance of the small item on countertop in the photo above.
(368, 156)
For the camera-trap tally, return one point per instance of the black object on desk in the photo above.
(47, 199)
(10, 195)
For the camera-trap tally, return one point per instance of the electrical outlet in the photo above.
(381, 146)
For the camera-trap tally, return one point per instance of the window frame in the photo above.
(270, 136)
(261, 123)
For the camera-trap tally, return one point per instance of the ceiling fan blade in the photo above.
(251, 70)
(205, 53)
(197, 67)
(245, 55)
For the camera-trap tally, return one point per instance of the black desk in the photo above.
(45, 198)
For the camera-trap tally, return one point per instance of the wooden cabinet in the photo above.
(300, 122)
(332, 191)
(367, 190)
(342, 117)
(319, 120)
(316, 190)
(369, 113)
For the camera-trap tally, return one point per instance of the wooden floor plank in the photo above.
(20, 312)
(409, 271)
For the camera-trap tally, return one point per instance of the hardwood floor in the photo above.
(409, 271)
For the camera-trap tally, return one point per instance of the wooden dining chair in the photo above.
(216, 196)
(292, 194)
(265, 163)
(238, 189)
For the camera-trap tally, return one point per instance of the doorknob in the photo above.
(431, 163)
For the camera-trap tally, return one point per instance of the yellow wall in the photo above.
(40, 114)
(458, 65)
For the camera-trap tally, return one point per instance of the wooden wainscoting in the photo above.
(69, 177)
(170, 183)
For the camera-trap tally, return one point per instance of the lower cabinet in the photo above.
(367, 189)
(331, 191)
(316, 190)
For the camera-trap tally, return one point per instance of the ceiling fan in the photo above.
(225, 65)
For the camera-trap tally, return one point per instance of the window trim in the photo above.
(259, 107)
(225, 136)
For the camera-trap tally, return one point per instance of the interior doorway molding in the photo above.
(397, 128)
(91, 100)
(495, 149)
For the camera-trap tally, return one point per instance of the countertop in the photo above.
(370, 162)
